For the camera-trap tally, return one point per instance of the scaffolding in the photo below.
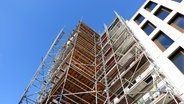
(88, 68)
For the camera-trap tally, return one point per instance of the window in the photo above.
(178, 22)
(162, 12)
(162, 41)
(177, 1)
(148, 79)
(178, 59)
(148, 28)
(150, 6)
(139, 18)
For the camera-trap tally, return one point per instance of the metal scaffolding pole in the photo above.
(105, 75)
(106, 30)
(39, 80)
(96, 82)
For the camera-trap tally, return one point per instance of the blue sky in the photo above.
(28, 28)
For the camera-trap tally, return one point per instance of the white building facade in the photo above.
(159, 26)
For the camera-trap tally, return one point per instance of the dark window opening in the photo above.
(121, 93)
(148, 79)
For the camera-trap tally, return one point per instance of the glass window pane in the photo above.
(177, 0)
(162, 13)
(139, 19)
(164, 40)
(179, 21)
(178, 60)
(148, 28)
(150, 6)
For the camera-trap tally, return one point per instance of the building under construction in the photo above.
(110, 68)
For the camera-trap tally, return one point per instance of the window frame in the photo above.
(174, 18)
(178, 51)
(139, 16)
(155, 39)
(146, 24)
(148, 5)
(162, 9)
